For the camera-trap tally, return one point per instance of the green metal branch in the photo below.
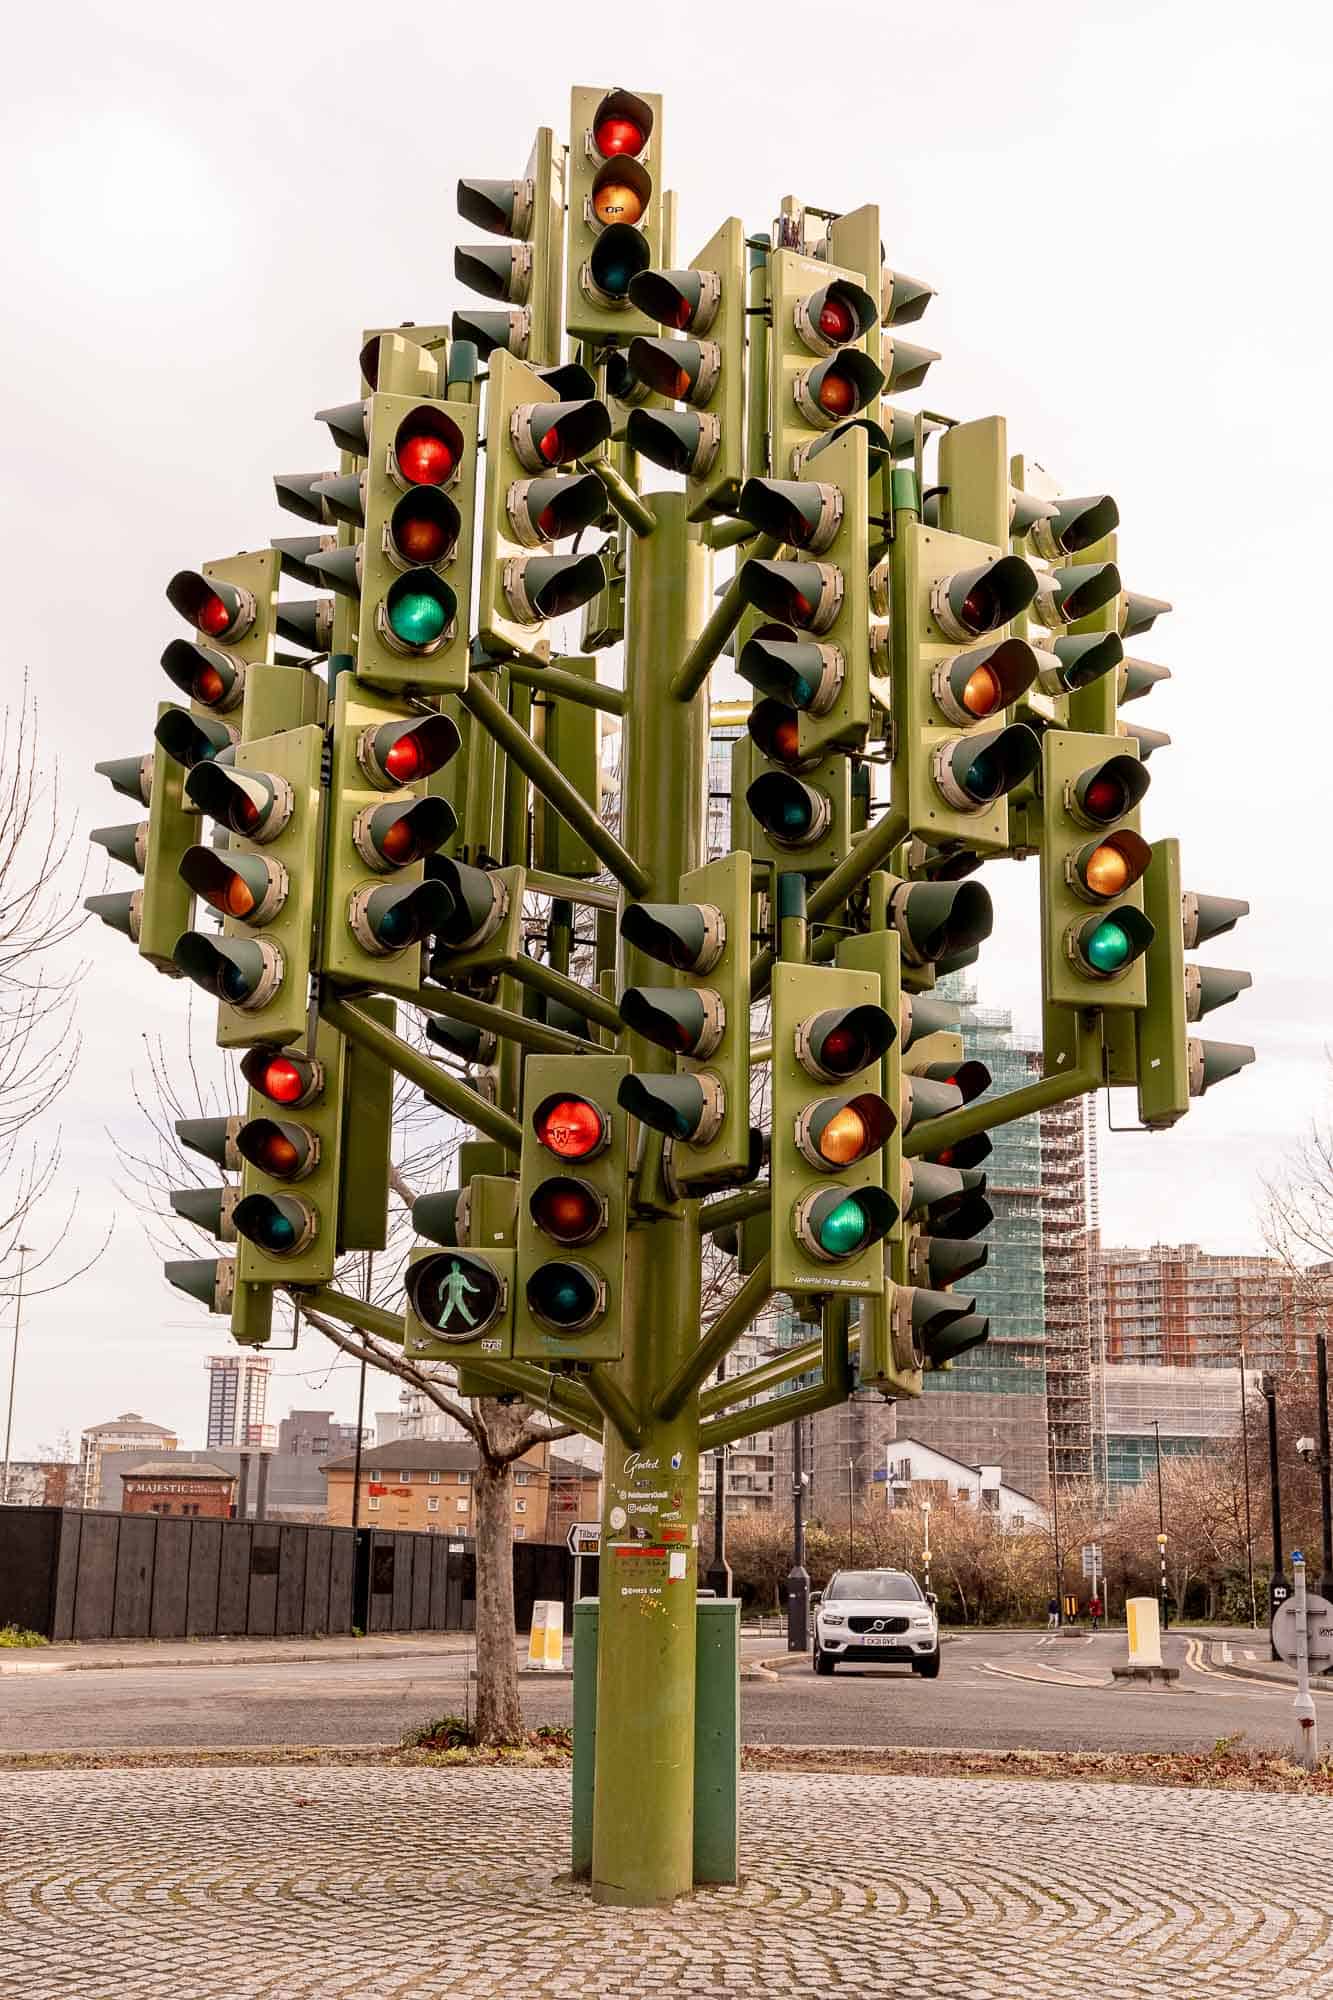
(983, 1116)
(614, 1404)
(504, 1021)
(553, 785)
(693, 670)
(721, 1336)
(353, 1312)
(767, 1416)
(597, 895)
(585, 1000)
(871, 850)
(569, 687)
(782, 1367)
(437, 1084)
(722, 533)
(733, 1208)
(622, 495)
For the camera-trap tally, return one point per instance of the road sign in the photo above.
(584, 1538)
(1092, 1560)
(1318, 1628)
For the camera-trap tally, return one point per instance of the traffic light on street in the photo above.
(262, 884)
(290, 1149)
(531, 501)
(700, 363)
(790, 810)
(830, 1210)
(572, 1210)
(460, 1296)
(814, 650)
(384, 821)
(1093, 859)
(955, 672)
(1174, 1066)
(527, 275)
(409, 572)
(703, 1019)
(615, 210)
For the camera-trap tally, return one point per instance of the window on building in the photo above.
(319, 1447)
(522, 1479)
(404, 1479)
(435, 1479)
(374, 1506)
(519, 1533)
(520, 1506)
(432, 1506)
(461, 1505)
(463, 1478)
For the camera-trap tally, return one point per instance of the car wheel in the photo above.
(929, 1666)
(822, 1662)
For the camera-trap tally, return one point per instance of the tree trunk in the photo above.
(499, 1716)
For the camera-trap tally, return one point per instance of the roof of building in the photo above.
(961, 1463)
(128, 1422)
(294, 1482)
(434, 1455)
(175, 1467)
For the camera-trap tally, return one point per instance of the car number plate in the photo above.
(881, 1638)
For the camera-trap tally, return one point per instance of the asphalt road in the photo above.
(996, 1691)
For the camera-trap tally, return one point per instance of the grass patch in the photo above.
(15, 1635)
(1230, 1766)
(450, 1739)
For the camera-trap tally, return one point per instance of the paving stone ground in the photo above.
(222, 1884)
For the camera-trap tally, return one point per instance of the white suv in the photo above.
(875, 1614)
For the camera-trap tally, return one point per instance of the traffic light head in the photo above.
(971, 602)
(799, 674)
(939, 922)
(283, 1076)
(544, 435)
(837, 388)
(244, 972)
(683, 441)
(460, 1297)
(191, 740)
(205, 675)
(572, 1199)
(972, 772)
(218, 610)
(686, 301)
(1073, 591)
(1067, 525)
(984, 681)
(256, 804)
(247, 886)
(683, 370)
(1090, 785)
(405, 751)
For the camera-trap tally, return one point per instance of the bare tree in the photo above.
(40, 912)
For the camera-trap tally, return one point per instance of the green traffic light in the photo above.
(1108, 948)
(416, 617)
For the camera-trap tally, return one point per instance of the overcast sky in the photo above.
(1123, 209)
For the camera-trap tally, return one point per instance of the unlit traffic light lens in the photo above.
(568, 1209)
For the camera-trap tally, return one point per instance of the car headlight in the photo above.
(835, 1618)
(921, 1622)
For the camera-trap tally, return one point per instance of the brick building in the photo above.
(164, 1486)
(127, 1432)
(1175, 1305)
(426, 1483)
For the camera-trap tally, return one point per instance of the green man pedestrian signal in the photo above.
(290, 1146)
(526, 275)
(703, 1020)
(461, 1297)
(383, 822)
(615, 210)
(410, 571)
(817, 653)
(1093, 860)
(1173, 1065)
(830, 1210)
(572, 1210)
(701, 363)
(530, 503)
(263, 885)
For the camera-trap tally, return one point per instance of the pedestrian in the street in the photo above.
(1053, 1615)
(1095, 1611)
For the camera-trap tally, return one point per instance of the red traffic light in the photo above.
(427, 447)
(622, 125)
(400, 753)
(218, 610)
(283, 1078)
(573, 1128)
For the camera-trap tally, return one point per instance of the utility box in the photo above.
(717, 1737)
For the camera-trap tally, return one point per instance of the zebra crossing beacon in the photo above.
(380, 821)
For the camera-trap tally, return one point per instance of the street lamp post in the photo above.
(925, 1542)
(23, 1252)
(1278, 1589)
(798, 1576)
(1245, 1458)
(1325, 1491)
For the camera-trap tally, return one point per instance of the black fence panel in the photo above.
(85, 1576)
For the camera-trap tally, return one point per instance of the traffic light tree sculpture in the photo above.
(905, 610)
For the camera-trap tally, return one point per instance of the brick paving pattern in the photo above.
(416, 1885)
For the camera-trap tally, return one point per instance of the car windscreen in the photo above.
(892, 1585)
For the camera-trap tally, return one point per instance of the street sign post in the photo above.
(1303, 1636)
(584, 1539)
